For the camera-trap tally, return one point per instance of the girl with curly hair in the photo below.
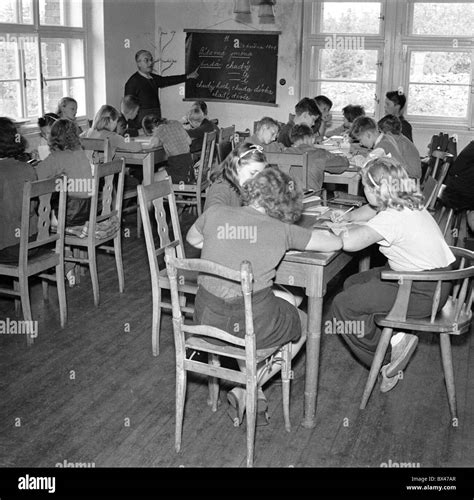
(261, 232)
(409, 237)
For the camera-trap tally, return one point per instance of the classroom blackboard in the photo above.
(234, 66)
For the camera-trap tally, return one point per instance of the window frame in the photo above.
(44, 32)
(396, 44)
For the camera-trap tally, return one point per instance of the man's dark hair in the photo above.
(322, 99)
(397, 98)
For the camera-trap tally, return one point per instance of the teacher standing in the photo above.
(144, 84)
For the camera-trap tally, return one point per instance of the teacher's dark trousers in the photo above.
(365, 295)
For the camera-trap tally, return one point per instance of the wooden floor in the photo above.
(94, 394)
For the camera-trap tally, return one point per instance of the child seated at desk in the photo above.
(319, 160)
(45, 123)
(175, 141)
(350, 113)
(242, 164)
(412, 241)
(266, 132)
(105, 125)
(67, 108)
(272, 204)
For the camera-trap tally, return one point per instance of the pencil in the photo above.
(338, 219)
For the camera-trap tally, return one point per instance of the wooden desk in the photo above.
(147, 158)
(350, 177)
(312, 271)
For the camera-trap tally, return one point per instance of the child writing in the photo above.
(412, 241)
(272, 204)
(350, 113)
(265, 135)
(173, 137)
(242, 164)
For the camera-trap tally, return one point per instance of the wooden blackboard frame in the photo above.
(236, 32)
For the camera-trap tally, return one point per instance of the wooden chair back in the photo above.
(433, 184)
(95, 146)
(225, 144)
(287, 160)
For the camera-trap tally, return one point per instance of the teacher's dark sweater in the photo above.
(146, 89)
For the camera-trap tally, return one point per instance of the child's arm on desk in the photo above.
(359, 237)
(194, 237)
(361, 214)
(324, 241)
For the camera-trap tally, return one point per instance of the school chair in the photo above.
(43, 251)
(434, 180)
(156, 194)
(101, 152)
(103, 227)
(285, 161)
(234, 347)
(453, 319)
(225, 143)
(193, 194)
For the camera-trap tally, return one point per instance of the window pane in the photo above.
(351, 17)
(32, 97)
(440, 67)
(10, 100)
(342, 94)
(349, 64)
(16, 11)
(443, 19)
(55, 90)
(61, 13)
(62, 57)
(9, 56)
(431, 100)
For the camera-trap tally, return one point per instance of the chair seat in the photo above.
(200, 344)
(190, 281)
(43, 260)
(189, 188)
(443, 322)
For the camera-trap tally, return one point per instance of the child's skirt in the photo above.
(276, 321)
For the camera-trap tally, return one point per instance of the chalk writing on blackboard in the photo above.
(233, 66)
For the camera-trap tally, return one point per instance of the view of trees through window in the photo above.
(30, 87)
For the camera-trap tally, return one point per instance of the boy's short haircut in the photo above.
(299, 132)
(322, 99)
(201, 105)
(307, 105)
(267, 122)
(351, 112)
(149, 122)
(397, 98)
(390, 123)
(361, 125)
(130, 103)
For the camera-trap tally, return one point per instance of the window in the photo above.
(354, 55)
(42, 51)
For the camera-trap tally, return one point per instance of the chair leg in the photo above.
(139, 223)
(447, 360)
(119, 262)
(251, 409)
(45, 287)
(61, 295)
(156, 318)
(25, 304)
(213, 359)
(92, 257)
(180, 397)
(376, 365)
(16, 287)
(285, 382)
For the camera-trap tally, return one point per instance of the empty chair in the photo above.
(156, 194)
